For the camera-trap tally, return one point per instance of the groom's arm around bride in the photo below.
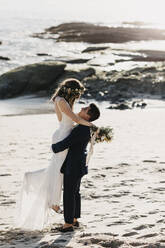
(76, 142)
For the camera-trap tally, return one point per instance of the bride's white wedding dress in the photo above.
(42, 188)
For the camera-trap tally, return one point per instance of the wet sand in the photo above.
(122, 196)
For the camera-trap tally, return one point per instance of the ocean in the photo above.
(21, 48)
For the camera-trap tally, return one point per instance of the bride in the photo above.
(41, 190)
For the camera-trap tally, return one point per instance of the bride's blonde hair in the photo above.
(70, 89)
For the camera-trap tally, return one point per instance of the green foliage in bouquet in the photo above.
(104, 134)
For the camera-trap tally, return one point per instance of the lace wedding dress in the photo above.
(42, 188)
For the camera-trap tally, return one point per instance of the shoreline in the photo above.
(34, 105)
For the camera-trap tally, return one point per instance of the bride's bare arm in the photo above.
(64, 106)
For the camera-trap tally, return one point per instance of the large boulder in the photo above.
(30, 79)
(80, 74)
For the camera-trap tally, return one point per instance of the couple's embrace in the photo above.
(41, 190)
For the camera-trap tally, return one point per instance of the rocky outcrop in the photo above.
(114, 86)
(38, 78)
(123, 105)
(118, 86)
(4, 58)
(120, 106)
(91, 33)
(30, 79)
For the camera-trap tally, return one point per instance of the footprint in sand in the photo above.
(141, 227)
(159, 189)
(137, 244)
(130, 234)
(161, 221)
(103, 242)
(108, 168)
(134, 217)
(118, 223)
(153, 212)
(150, 235)
(8, 203)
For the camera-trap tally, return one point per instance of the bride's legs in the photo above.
(57, 209)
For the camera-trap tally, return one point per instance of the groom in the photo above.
(74, 166)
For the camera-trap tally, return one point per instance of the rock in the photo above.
(138, 104)
(80, 74)
(76, 61)
(91, 33)
(93, 49)
(100, 96)
(120, 106)
(143, 105)
(4, 58)
(0, 42)
(30, 79)
(118, 87)
(43, 54)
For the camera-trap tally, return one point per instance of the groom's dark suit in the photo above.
(74, 167)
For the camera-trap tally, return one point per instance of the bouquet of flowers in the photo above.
(102, 134)
(99, 135)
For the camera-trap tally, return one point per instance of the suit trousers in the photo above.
(71, 198)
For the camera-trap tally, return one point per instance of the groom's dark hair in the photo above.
(93, 112)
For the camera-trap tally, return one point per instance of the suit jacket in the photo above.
(75, 162)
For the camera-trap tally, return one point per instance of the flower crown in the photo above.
(69, 91)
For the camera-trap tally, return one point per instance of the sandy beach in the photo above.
(117, 50)
(123, 194)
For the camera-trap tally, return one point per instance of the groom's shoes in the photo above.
(76, 224)
(69, 228)
(66, 229)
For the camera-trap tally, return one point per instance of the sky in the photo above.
(91, 10)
